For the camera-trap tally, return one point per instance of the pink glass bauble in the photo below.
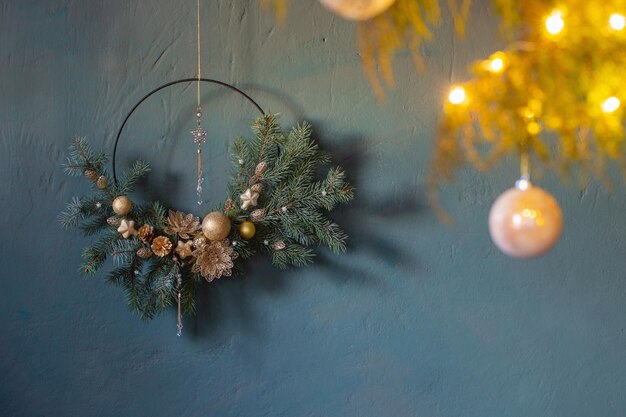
(357, 9)
(525, 221)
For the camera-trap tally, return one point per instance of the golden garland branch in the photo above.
(556, 93)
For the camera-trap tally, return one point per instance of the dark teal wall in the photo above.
(417, 320)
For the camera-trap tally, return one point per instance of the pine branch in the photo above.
(82, 157)
(130, 178)
(94, 256)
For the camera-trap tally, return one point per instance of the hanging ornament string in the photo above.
(199, 137)
(199, 134)
(524, 168)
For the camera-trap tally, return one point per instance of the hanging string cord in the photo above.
(199, 60)
(524, 166)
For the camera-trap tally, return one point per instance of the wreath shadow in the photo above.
(233, 301)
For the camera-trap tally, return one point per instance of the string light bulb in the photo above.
(496, 64)
(457, 95)
(617, 21)
(555, 22)
(610, 104)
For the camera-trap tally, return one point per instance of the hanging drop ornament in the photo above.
(179, 317)
(525, 221)
(199, 137)
(357, 9)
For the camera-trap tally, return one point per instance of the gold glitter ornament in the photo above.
(91, 175)
(184, 249)
(145, 233)
(102, 182)
(126, 228)
(214, 260)
(122, 205)
(247, 230)
(199, 240)
(185, 225)
(161, 246)
(257, 215)
(216, 225)
(144, 253)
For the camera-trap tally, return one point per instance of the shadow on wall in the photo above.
(236, 297)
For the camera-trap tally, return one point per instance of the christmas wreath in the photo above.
(276, 205)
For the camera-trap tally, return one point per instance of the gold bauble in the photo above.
(247, 230)
(122, 205)
(216, 225)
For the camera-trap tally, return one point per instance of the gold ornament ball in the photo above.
(122, 205)
(357, 9)
(525, 222)
(247, 230)
(216, 225)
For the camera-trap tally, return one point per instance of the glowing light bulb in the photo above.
(617, 21)
(497, 63)
(610, 104)
(555, 22)
(457, 95)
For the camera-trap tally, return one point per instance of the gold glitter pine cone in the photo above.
(257, 215)
(257, 188)
(214, 260)
(185, 225)
(91, 175)
(144, 253)
(102, 182)
(114, 221)
(161, 246)
(229, 205)
(145, 233)
(260, 169)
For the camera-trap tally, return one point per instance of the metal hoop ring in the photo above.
(186, 80)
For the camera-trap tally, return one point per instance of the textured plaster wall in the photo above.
(417, 320)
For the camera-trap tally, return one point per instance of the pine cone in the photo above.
(185, 225)
(145, 233)
(114, 221)
(279, 245)
(144, 253)
(229, 205)
(161, 246)
(257, 188)
(214, 260)
(257, 215)
(91, 175)
(260, 168)
(102, 182)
